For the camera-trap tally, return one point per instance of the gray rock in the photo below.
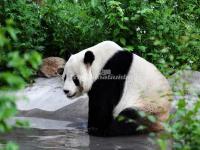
(72, 112)
(45, 94)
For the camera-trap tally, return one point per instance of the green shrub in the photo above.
(164, 32)
(69, 27)
(55, 27)
(26, 16)
(182, 127)
(16, 69)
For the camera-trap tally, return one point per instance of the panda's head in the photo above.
(77, 74)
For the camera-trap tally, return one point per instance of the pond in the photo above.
(64, 135)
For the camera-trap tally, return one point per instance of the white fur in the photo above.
(145, 89)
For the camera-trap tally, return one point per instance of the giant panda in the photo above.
(120, 85)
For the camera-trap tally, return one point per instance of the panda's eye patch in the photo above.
(65, 77)
(76, 80)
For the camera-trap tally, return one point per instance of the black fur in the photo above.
(105, 95)
(65, 77)
(67, 55)
(89, 57)
(117, 127)
(76, 80)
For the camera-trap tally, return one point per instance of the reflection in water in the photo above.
(118, 143)
(74, 139)
(65, 135)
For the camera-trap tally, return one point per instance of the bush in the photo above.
(54, 27)
(16, 70)
(70, 27)
(26, 16)
(185, 132)
(182, 128)
(164, 32)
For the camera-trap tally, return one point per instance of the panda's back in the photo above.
(145, 88)
(147, 76)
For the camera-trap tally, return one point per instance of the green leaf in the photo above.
(22, 123)
(12, 33)
(120, 118)
(142, 114)
(162, 144)
(142, 48)
(151, 118)
(123, 41)
(181, 103)
(141, 127)
(157, 42)
(94, 3)
(11, 146)
(129, 48)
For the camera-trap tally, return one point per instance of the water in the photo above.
(73, 136)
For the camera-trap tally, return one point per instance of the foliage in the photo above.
(159, 31)
(185, 132)
(164, 32)
(69, 27)
(16, 69)
(183, 126)
(27, 17)
(55, 27)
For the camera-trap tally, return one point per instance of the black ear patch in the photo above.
(67, 55)
(89, 57)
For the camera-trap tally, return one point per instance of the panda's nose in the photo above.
(66, 91)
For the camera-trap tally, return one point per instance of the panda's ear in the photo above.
(67, 55)
(88, 58)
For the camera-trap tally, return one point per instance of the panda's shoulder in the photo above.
(106, 46)
(109, 43)
(122, 56)
(120, 62)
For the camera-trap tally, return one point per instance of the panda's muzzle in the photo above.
(70, 96)
(67, 94)
(66, 91)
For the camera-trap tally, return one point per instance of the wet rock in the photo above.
(76, 111)
(45, 94)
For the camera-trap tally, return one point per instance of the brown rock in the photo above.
(51, 67)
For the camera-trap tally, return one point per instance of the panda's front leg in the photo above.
(103, 129)
(99, 121)
(98, 132)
